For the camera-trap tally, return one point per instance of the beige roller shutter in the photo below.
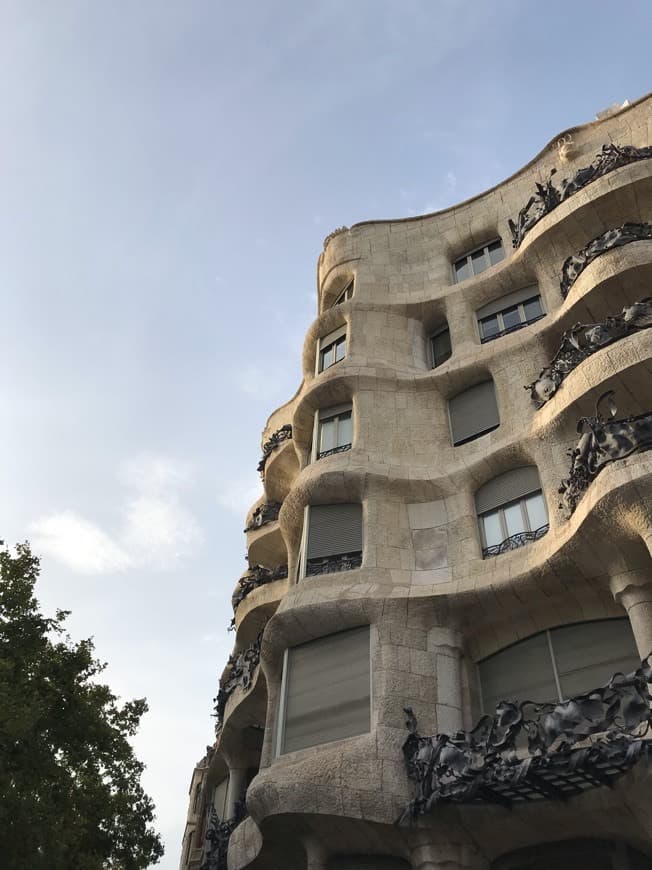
(512, 485)
(507, 301)
(473, 412)
(327, 690)
(334, 529)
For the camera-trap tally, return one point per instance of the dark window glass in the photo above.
(533, 308)
(511, 317)
(479, 261)
(328, 357)
(489, 326)
(462, 270)
(496, 253)
(340, 349)
(441, 347)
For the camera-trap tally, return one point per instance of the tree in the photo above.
(70, 793)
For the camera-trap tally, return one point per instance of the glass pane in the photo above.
(441, 347)
(340, 349)
(489, 326)
(496, 253)
(535, 506)
(327, 436)
(533, 308)
(511, 317)
(514, 519)
(462, 270)
(345, 430)
(522, 672)
(588, 655)
(492, 527)
(328, 356)
(479, 262)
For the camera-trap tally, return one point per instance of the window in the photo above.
(332, 349)
(326, 691)
(559, 663)
(509, 313)
(473, 413)
(334, 538)
(334, 430)
(440, 346)
(195, 803)
(477, 261)
(511, 511)
(220, 797)
(346, 294)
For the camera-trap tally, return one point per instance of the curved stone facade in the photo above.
(439, 591)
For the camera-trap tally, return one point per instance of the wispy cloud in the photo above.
(238, 495)
(156, 529)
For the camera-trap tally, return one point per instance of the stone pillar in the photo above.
(237, 780)
(445, 645)
(633, 590)
(428, 852)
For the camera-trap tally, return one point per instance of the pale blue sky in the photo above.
(169, 170)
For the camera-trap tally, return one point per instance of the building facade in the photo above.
(439, 641)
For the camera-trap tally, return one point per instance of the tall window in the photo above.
(332, 349)
(334, 538)
(220, 797)
(478, 260)
(325, 691)
(440, 346)
(509, 313)
(473, 413)
(346, 294)
(511, 511)
(334, 430)
(559, 663)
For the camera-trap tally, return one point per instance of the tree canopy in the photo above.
(70, 793)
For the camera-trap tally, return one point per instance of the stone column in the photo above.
(444, 644)
(633, 590)
(237, 780)
(429, 852)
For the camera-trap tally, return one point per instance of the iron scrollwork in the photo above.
(218, 834)
(602, 441)
(614, 238)
(243, 666)
(533, 751)
(584, 339)
(266, 513)
(514, 542)
(255, 577)
(341, 449)
(331, 564)
(275, 440)
(548, 197)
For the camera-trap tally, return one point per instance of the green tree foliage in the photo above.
(70, 793)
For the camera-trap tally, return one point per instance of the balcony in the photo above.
(333, 564)
(514, 542)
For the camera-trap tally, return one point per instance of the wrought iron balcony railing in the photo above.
(273, 442)
(514, 542)
(548, 197)
(586, 741)
(218, 834)
(243, 666)
(331, 564)
(341, 449)
(602, 441)
(266, 513)
(255, 577)
(584, 339)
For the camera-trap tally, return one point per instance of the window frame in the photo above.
(332, 340)
(521, 502)
(279, 731)
(552, 661)
(466, 258)
(333, 413)
(346, 294)
(431, 345)
(507, 330)
(302, 572)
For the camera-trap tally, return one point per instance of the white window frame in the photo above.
(325, 343)
(501, 323)
(469, 262)
(337, 412)
(500, 510)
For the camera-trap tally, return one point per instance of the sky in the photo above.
(169, 171)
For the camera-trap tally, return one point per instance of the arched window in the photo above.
(559, 663)
(511, 511)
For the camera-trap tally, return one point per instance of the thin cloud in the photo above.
(156, 531)
(238, 495)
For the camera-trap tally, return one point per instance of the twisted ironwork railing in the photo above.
(218, 834)
(529, 751)
(515, 541)
(341, 449)
(331, 564)
(273, 442)
(242, 669)
(266, 513)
